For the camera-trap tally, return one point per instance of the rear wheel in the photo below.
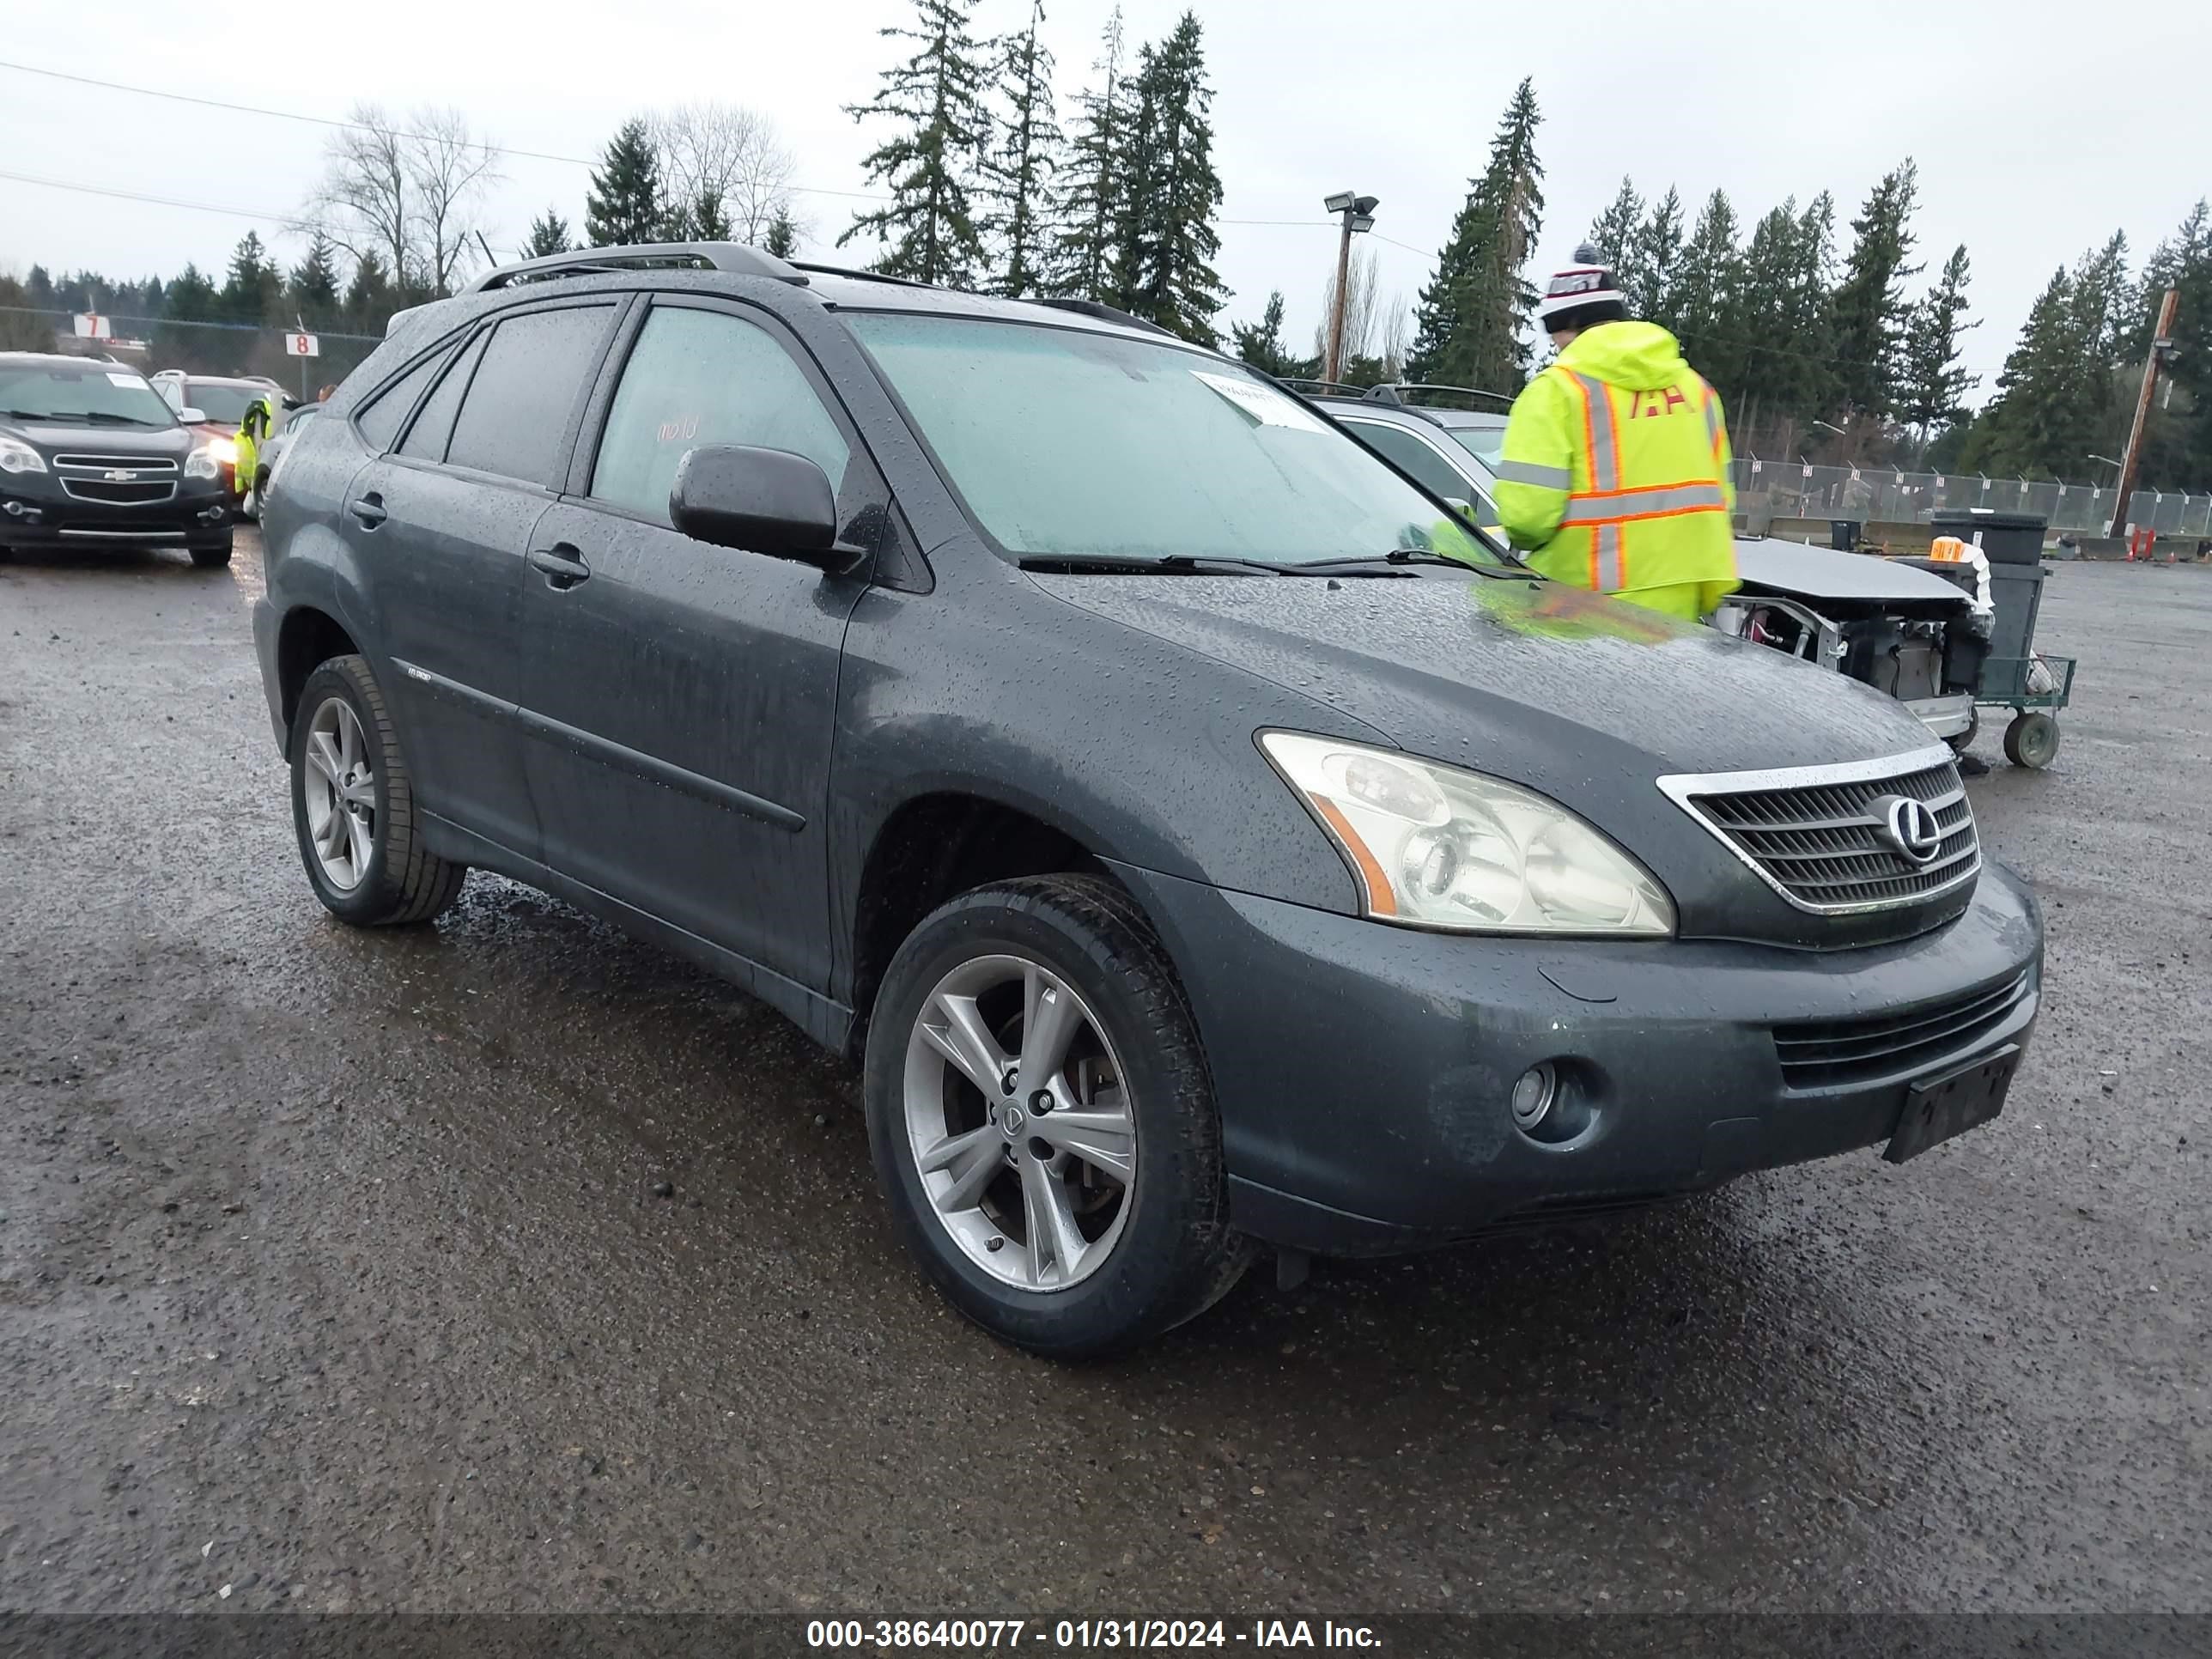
(353, 805)
(2032, 740)
(1043, 1123)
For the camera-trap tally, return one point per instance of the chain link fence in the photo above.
(1793, 490)
(150, 345)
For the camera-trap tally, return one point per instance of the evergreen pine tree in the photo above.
(369, 299)
(782, 237)
(1020, 171)
(1931, 384)
(624, 206)
(312, 292)
(252, 284)
(2179, 448)
(1870, 310)
(1658, 250)
(549, 234)
(930, 162)
(1704, 295)
(1467, 328)
(1163, 271)
(1612, 234)
(2043, 419)
(1088, 210)
(704, 220)
(1261, 344)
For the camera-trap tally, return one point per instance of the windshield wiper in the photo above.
(1174, 564)
(110, 416)
(45, 416)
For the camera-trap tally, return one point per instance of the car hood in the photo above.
(1819, 572)
(167, 442)
(1545, 684)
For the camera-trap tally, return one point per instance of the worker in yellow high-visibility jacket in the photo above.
(1615, 471)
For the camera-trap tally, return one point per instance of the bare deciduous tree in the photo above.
(411, 193)
(730, 151)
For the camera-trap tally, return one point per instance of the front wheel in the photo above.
(1042, 1119)
(214, 556)
(353, 805)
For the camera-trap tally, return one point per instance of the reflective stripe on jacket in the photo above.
(1615, 473)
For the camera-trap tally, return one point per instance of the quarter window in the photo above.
(379, 418)
(426, 439)
(706, 377)
(515, 411)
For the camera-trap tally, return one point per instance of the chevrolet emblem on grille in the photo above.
(119, 475)
(1909, 826)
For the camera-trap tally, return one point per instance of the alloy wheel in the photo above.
(339, 787)
(1020, 1123)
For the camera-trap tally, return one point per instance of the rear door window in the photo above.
(514, 414)
(706, 377)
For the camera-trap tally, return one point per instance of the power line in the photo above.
(358, 126)
(60, 314)
(290, 221)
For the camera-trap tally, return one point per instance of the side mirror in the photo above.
(190, 417)
(761, 500)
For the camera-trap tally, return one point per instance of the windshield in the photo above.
(1065, 442)
(223, 405)
(95, 394)
(1486, 443)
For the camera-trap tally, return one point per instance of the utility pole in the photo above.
(2161, 348)
(1358, 213)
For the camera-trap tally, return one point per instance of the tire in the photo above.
(213, 557)
(2032, 740)
(394, 878)
(1157, 1249)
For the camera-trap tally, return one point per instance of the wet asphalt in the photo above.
(332, 1268)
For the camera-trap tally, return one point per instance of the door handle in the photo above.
(369, 509)
(562, 565)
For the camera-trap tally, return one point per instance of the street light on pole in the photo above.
(1358, 213)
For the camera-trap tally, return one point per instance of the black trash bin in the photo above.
(1844, 534)
(2007, 538)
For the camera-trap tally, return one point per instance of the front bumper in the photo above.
(1363, 1072)
(200, 519)
(1946, 716)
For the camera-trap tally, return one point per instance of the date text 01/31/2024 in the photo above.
(975, 1635)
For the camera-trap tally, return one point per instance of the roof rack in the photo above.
(1394, 394)
(1105, 313)
(1324, 388)
(856, 274)
(592, 261)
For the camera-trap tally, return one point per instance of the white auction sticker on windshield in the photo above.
(1268, 408)
(114, 379)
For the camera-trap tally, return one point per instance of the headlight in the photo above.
(16, 456)
(225, 450)
(1438, 848)
(205, 463)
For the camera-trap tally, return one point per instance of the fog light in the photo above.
(1533, 1095)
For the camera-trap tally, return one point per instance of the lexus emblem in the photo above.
(1909, 827)
(119, 475)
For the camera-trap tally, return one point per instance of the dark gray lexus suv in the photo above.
(1208, 842)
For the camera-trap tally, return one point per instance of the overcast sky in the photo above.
(2039, 128)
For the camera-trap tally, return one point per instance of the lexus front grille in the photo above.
(1840, 839)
